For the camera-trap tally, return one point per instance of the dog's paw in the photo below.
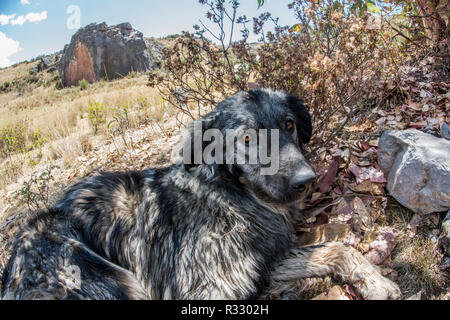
(373, 286)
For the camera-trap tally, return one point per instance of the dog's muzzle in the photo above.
(302, 179)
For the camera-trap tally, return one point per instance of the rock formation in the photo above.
(101, 52)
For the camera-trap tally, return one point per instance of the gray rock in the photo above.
(45, 62)
(35, 69)
(445, 132)
(417, 167)
(101, 52)
(445, 236)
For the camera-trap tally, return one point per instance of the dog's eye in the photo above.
(289, 125)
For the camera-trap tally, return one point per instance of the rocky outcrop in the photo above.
(417, 167)
(48, 62)
(101, 52)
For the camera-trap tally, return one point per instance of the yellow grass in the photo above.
(60, 114)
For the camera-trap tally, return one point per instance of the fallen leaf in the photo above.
(380, 249)
(415, 106)
(417, 125)
(337, 190)
(328, 178)
(351, 292)
(364, 173)
(367, 186)
(335, 293)
(321, 218)
(363, 163)
(364, 145)
(360, 208)
(425, 94)
(374, 143)
(381, 121)
(343, 212)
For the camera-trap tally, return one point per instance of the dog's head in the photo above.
(255, 138)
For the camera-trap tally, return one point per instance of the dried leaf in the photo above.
(321, 218)
(360, 209)
(327, 180)
(343, 212)
(335, 293)
(367, 186)
(415, 106)
(364, 173)
(381, 121)
(380, 249)
(351, 292)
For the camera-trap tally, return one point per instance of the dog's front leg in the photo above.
(337, 260)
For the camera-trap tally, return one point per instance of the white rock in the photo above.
(417, 168)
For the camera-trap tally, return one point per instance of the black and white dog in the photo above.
(188, 231)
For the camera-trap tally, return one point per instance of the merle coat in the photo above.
(219, 231)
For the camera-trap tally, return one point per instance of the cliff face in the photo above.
(98, 51)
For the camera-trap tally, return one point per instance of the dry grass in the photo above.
(60, 114)
(416, 258)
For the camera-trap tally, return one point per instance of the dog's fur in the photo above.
(186, 231)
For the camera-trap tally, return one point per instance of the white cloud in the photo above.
(31, 17)
(24, 2)
(4, 19)
(8, 47)
(20, 20)
(36, 17)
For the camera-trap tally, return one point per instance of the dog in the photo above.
(189, 230)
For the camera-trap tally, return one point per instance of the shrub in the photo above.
(120, 124)
(35, 192)
(83, 84)
(197, 72)
(6, 86)
(338, 58)
(12, 140)
(96, 114)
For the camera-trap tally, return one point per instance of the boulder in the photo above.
(417, 167)
(98, 51)
(45, 62)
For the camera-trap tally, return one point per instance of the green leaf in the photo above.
(260, 3)
(372, 8)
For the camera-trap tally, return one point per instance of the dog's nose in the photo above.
(300, 181)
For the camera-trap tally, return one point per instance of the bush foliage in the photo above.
(96, 113)
(341, 57)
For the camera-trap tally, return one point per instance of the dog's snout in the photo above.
(302, 180)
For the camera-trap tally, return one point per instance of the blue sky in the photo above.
(29, 28)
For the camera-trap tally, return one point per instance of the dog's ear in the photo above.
(304, 126)
(187, 151)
